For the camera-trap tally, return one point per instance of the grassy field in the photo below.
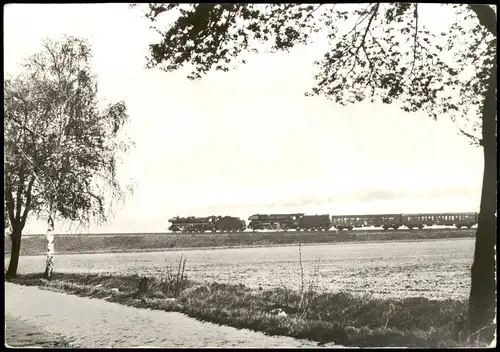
(364, 294)
(435, 269)
(34, 245)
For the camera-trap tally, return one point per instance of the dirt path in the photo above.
(84, 322)
(19, 333)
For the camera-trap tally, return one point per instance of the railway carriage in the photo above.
(341, 222)
(385, 221)
(441, 219)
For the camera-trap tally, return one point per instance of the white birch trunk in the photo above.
(49, 264)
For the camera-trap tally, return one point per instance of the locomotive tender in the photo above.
(303, 222)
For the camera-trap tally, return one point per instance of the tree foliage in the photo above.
(386, 53)
(375, 51)
(61, 144)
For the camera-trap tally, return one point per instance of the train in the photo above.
(323, 222)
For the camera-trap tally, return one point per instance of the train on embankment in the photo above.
(323, 222)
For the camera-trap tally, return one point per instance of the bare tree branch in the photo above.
(9, 200)
(309, 15)
(19, 192)
(415, 41)
(356, 60)
(26, 128)
(27, 206)
(26, 157)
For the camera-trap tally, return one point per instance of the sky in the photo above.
(249, 141)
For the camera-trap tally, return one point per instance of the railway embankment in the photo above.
(109, 243)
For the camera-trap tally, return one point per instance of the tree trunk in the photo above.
(15, 238)
(482, 300)
(49, 264)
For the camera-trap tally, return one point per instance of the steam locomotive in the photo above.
(274, 221)
(192, 224)
(303, 222)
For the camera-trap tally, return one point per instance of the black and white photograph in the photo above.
(250, 175)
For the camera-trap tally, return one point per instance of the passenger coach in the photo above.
(443, 219)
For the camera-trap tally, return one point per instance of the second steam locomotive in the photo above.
(324, 222)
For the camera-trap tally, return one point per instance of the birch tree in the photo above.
(71, 143)
(386, 54)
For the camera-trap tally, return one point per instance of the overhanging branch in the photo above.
(486, 16)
